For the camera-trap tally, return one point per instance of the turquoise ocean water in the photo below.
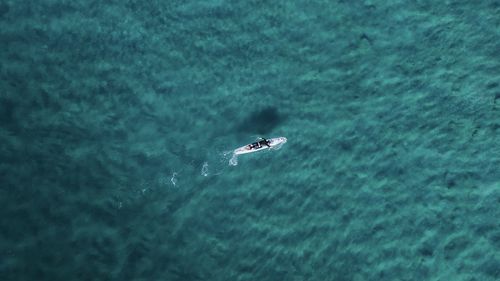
(118, 118)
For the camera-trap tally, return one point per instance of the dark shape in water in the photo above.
(4, 8)
(261, 121)
(7, 112)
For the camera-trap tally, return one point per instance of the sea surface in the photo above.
(118, 120)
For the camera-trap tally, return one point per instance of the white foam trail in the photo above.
(204, 169)
(173, 179)
(234, 160)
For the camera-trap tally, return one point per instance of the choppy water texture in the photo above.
(116, 118)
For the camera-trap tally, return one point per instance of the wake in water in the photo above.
(204, 169)
(234, 160)
(218, 163)
(173, 179)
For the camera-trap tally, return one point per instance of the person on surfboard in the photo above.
(259, 143)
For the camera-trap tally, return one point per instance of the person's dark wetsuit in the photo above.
(260, 143)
